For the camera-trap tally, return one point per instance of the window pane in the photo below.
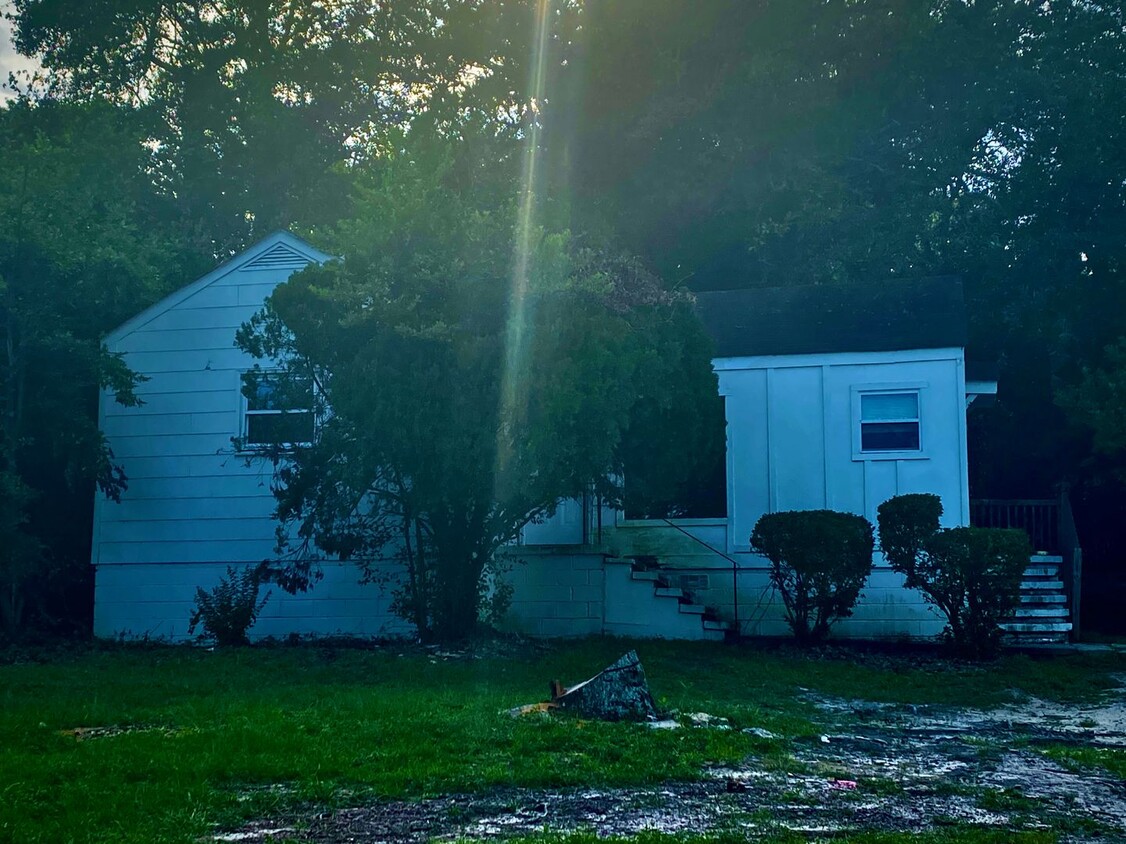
(279, 428)
(263, 395)
(264, 391)
(877, 406)
(889, 436)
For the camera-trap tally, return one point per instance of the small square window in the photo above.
(278, 413)
(889, 421)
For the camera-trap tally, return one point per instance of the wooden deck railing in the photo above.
(1050, 526)
(1038, 517)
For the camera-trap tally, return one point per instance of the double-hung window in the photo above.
(888, 423)
(277, 411)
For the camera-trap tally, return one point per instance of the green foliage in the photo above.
(21, 553)
(496, 590)
(919, 138)
(223, 82)
(479, 369)
(971, 574)
(1098, 401)
(672, 150)
(974, 575)
(819, 560)
(82, 248)
(229, 608)
(1109, 759)
(906, 522)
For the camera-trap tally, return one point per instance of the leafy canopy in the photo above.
(474, 371)
(84, 244)
(254, 103)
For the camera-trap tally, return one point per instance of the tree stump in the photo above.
(617, 693)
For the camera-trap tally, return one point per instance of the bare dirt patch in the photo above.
(878, 767)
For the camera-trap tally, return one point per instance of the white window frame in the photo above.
(919, 388)
(246, 413)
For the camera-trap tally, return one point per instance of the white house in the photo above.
(836, 397)
(194, 505)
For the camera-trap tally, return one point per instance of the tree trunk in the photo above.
(457, 595)
(419, 575)
(11, 611)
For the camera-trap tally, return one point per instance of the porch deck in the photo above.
(1049, 611)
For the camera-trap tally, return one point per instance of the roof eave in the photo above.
(173, 299)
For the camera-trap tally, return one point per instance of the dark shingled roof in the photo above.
(897, 314)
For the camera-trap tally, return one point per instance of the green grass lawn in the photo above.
(1111, 760)
(228, 735)
(940, 836)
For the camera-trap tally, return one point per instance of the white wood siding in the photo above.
(155, 601)
(790, 446)
(194, 505)
(792, 426)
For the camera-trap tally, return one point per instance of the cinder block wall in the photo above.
(555, 591)
(886, 609)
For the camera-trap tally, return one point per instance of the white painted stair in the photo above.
(1043, 615)
(641, 602)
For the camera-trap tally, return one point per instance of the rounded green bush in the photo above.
(819, 560)
(971, 574)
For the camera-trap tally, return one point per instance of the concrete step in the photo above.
(1035, 626)
(1037, 559)
(1035, 638)
(1044, 598)
(1057, 611)
(1041, 585)
(691, 621)
(1052, 571)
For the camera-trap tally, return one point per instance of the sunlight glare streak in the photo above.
(515, 379)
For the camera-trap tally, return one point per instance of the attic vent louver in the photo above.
(279, 257)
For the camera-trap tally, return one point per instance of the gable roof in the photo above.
(895, 315)
(280, 250)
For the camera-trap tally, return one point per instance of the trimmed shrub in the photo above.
(906, 522)
(230, 608)
(819, 560)
(971, 574)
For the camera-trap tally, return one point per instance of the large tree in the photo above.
(733, 143)
(82, 247)
(474, 370)
(749, 142)
(256, 103)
